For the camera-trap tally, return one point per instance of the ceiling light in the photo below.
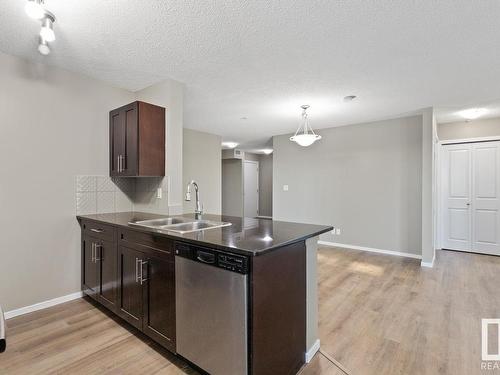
(47, 32)
(305, 136)
(229, 144)
(349, 98)
(43, 47)
(34, 9)
(243, 118)
(473, 113)
(267, 151)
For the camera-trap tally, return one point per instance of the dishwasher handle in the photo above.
(204, 257)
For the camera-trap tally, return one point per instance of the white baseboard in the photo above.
(42, 305)
(312, 351)
(429, 264)
(370, 249)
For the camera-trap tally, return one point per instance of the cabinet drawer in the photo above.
(98, 230)
(148, 240)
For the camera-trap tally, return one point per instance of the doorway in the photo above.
(470, 191)
(250, 188)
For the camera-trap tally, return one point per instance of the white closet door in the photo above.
(456, 193)
(485, 198)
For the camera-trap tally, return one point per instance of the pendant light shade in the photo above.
(305, 135)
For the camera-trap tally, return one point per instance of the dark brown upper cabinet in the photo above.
(137, 140)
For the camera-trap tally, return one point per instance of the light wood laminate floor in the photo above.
(378, 315)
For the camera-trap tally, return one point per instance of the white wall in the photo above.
(170, 94)
(365, 179)
(202, 163)
(54, 126)
(469, 129)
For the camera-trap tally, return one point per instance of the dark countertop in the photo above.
(246, 236)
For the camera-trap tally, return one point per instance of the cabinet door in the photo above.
(107, 265)
(89, 267)
(159, 300)
(130, 159)
(117, 138)
(129, 287)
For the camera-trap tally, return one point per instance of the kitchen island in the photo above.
(241, 298)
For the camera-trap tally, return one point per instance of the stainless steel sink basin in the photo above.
(195, 226)
(155, 223)
(180, 225)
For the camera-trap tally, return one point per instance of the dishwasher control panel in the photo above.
(235, 263)
(228, 261)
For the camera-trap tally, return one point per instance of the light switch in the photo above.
(158, 193)
(285, 187)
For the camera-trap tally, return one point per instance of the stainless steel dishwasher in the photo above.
(211, 309)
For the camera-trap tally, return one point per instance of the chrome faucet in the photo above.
(199, 206)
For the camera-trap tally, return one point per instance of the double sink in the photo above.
(179, 224)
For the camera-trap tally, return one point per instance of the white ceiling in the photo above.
(262, 59)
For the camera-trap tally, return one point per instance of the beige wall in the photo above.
(365, 179)
(232, 187)
(170, 94)
(472, 129)
(202, 163)
(54, 126)
(266, 185)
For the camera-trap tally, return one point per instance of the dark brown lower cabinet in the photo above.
(130, 289)
(89, 268)
(159, 300)
(147, 293)
(107, 273)
(133, 275)
(99, 270)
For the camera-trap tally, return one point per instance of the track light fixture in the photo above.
(36, 10)
(43, 47)
(47, 31)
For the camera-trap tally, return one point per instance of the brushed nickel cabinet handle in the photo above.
(98, 230)
(97, 246)
(92, 252)
(118, 163)
(142, 279)
(137, 270)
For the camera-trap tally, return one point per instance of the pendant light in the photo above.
(305, 135)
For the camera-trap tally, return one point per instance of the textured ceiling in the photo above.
(262, 59)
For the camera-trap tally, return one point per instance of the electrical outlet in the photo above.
(338, 231)
(333, 231)
(285, 187)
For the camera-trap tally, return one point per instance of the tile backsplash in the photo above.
(103, 194)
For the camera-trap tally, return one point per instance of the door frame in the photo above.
(258, 184)
(439, 180)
